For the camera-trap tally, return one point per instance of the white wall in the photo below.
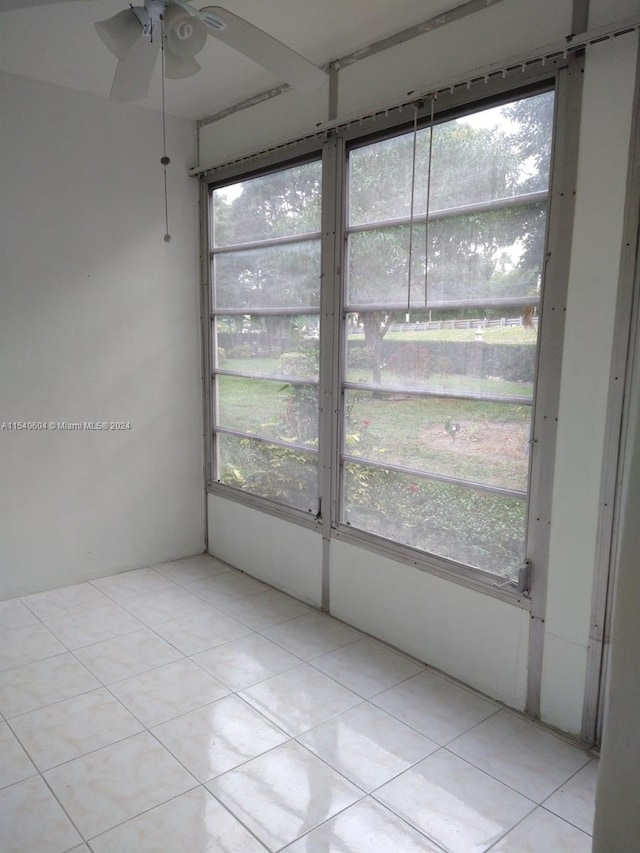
(617, 820)
(282, 554)
(476, 638)
(99, 320)
(490, 641)
(593, 283)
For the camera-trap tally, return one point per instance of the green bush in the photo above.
(242, 351)
(299, 364)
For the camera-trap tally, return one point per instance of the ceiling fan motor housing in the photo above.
(155, 9)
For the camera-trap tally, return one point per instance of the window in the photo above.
(266, 321)
(440, 347)
(430, 351)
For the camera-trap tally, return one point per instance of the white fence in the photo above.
(483, 323)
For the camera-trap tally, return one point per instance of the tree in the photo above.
(279, 204)
(470, 256)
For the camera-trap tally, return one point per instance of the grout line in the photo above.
(64, 811)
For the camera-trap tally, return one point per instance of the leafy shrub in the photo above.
(412, 359)
(466, 525)
(360, 356)
(299, 364)
(242, 351)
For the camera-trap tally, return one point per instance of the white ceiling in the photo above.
(58, 44)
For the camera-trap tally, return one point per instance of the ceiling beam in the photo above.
(428, 26)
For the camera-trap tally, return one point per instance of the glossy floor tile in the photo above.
(300, 698)
(107, 787)
(365, 827)
(127, 585)
(67, 599)
(28, 644)
(246, 661)
(14, 614)
(520, 754)
(542, 831)
(226, 587)
(367, 745)
(366, 667)
(73, 727)
(32, 820)
(35, 685)
(201, 630)
(168, 691)
(194, 822)
(574, 801)
(283, 794)
(119, 658)
(15, 764)
(161, 606)
(264, 609)
(188, 708)
(454, 804)
(311, 635)
(438, 708)
(219, 737)
(86, 627)
(192, 569)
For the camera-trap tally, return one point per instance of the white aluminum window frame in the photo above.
(564, 75)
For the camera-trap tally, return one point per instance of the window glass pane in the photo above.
(441, 322)
(486, 356)
(269, 409)
(378, 266)
(285, 475)
(286, 345)
(479, 529)
(285, 276)
(476, 441)
(493, 153)
(266, 326)
(281, 204)
(472, 258)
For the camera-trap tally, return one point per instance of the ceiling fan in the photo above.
(135, 36)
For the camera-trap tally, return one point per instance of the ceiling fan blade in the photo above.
(267, 51)
(134, 72)
(178, 67)
(120, 33)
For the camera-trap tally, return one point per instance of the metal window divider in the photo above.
(330, 302)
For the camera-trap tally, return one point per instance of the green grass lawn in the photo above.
(492, 386)
(487, 444)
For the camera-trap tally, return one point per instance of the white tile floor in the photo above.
(189, 708)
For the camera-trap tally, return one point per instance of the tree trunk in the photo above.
(376, 324)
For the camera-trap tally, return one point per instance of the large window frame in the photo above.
(333, 146)
(254, 272)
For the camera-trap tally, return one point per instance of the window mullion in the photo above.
(330, 335)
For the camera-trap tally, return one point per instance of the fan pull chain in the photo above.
(164, 159)
(426, 222)
(413, 193)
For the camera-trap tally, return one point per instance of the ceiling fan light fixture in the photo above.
(186, 35)
(179, 67)
(121, 32)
